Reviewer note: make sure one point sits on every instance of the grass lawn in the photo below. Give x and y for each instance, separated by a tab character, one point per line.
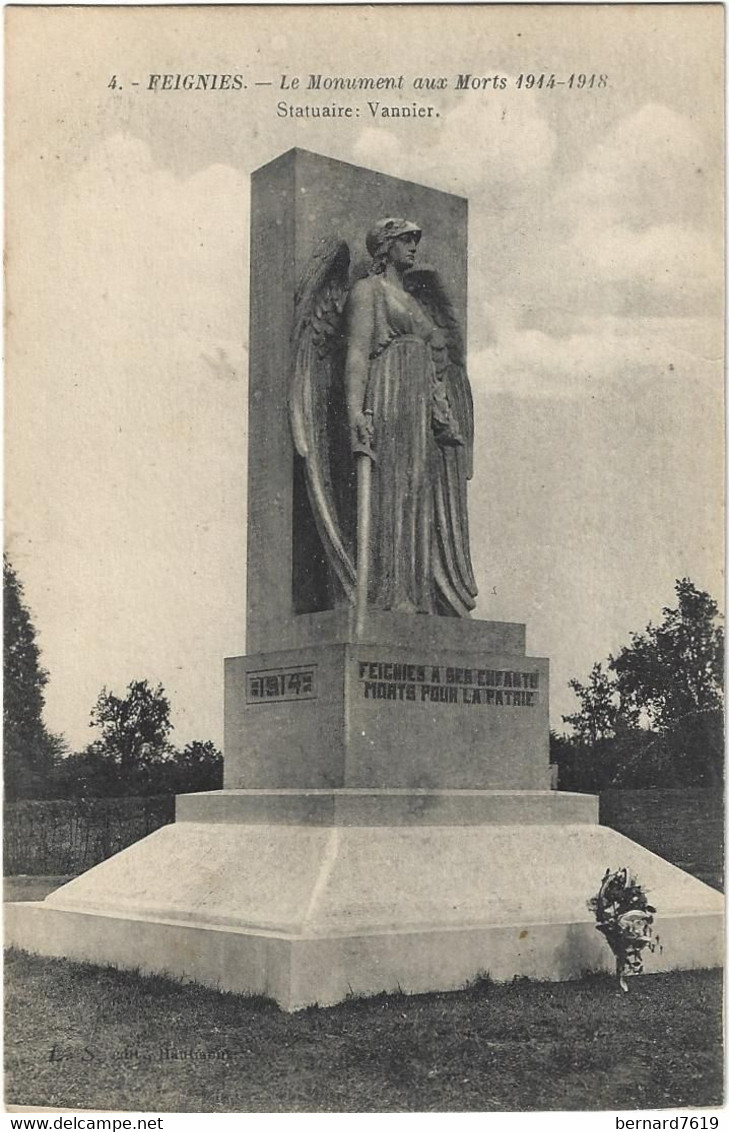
88	1037
21	888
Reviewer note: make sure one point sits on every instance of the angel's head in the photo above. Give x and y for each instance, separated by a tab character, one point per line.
393	240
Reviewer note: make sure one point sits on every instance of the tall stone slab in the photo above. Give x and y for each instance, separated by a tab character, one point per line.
296	201
412	701
386	821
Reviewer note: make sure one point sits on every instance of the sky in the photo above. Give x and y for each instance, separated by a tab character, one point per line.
595	320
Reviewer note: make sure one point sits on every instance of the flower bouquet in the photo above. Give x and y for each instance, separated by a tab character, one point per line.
625	918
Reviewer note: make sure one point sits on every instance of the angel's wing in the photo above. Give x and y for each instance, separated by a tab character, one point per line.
316	403
426	286
453	569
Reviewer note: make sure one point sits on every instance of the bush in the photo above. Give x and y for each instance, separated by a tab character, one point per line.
93	773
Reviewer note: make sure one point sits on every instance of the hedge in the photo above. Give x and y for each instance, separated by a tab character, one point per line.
66	837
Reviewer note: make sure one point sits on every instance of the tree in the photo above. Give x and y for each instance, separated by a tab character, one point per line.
672	675
93	774
675	670
654	716
30	750
198	766
134	756
589	759
89	774
134	731
599	712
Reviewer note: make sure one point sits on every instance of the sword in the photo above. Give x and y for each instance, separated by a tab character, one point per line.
364	458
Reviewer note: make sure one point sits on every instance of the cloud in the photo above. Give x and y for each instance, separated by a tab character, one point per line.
608	357
668	270
173	247
654	168
630	234
476	151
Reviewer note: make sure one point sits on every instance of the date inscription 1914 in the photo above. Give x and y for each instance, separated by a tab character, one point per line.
440	684
276	684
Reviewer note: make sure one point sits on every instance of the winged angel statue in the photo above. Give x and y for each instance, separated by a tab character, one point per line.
382	415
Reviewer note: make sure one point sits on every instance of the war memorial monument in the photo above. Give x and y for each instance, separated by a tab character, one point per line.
387	819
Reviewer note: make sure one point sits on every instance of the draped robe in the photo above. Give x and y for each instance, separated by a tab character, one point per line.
413	546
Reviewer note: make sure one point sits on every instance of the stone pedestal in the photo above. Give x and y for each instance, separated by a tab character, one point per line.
392	710
386	821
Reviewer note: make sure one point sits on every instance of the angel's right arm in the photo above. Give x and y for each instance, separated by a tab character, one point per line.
360	329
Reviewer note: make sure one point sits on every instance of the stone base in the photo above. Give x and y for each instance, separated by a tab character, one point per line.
388	715
307	906
298	971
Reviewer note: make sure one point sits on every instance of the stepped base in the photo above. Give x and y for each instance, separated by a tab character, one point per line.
298	971
311	911
388	807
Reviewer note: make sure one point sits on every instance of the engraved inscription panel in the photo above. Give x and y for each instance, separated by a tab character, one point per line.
443	684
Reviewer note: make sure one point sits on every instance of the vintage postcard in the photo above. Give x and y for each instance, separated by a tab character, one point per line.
364	561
